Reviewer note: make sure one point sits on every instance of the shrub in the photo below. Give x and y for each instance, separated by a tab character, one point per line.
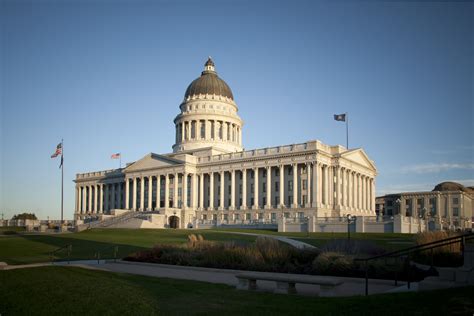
332	263
353	247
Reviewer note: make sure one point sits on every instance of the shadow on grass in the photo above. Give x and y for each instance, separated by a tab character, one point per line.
81	249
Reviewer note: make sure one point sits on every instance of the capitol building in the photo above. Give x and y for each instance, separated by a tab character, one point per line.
209	177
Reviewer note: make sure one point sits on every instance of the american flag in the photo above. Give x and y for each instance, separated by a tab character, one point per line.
115	156
340	117
59	150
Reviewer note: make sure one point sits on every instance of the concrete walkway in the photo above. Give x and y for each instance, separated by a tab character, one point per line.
292	242
351	286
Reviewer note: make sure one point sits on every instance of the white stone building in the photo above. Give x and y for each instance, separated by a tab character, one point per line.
210	177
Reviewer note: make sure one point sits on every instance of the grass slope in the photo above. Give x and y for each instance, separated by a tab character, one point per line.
26	248
75	291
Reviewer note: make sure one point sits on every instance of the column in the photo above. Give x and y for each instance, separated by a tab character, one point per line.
221	193
318	190
269	188
150	193
211	190
142	193
127	193
295	185
232	190
158	192
190	123
184	191
89	198
101	206
224	131
201	191
282	186
372	198
175	191
167	190
197	131
308	185
78	192
134	194
96	208
324	185
194	191
182	131
244	189
207	130
84	197
255	187
106	199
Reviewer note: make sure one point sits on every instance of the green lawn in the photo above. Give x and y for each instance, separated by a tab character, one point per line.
26	248
76	291
389	241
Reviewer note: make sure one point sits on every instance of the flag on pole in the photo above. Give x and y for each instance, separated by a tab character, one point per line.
340	117
61	164
59	151
115	156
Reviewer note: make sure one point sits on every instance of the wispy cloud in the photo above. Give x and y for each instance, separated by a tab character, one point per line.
437	167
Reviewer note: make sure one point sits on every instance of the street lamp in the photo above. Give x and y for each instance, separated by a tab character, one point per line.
350	219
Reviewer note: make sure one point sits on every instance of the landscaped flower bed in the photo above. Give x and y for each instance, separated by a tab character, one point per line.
269	255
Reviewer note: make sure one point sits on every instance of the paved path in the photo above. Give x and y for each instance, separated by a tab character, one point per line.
295	243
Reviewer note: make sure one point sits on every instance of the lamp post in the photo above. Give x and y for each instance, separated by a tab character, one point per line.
350	219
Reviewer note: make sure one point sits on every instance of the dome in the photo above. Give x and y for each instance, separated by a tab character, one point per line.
209	83
451	186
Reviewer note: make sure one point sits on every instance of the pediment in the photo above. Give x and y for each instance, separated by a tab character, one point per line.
152	161
360	157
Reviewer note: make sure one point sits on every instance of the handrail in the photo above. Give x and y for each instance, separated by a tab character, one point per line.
69	250
98	251
408	251
436	244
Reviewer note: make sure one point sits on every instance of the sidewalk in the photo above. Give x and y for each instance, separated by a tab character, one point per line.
351	286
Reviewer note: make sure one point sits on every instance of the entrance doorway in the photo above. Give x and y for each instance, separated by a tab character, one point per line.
174	222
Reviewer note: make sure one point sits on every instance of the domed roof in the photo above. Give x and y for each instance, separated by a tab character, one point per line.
209	83
451	186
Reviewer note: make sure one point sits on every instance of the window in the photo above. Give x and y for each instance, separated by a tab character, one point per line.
264	175
214	217
204	216
290	171
260	215
304	185
251	201
229	190
389	203
203	129
240	189
290	185
304	199
240	175
237	217
455	211
277	172
248	216
251	174
252	187
455	201
273	216
277	186
264	187
276	200
264	200
300	214
226	217
286	215
290	199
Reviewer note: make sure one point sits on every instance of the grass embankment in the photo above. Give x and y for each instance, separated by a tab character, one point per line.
75	291
25	248
389	241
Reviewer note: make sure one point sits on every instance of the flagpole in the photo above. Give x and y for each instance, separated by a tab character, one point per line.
62	180
347	131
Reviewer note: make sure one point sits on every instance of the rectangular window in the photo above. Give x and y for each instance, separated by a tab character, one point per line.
290	199
264	200
290	171
251	174
251	201
260	215
419	202
226	217
455	211
264	187
290	185
286	215
240	175
304	199
248	216
204	216
277	172
277	186
237	217
264	175
304	185
229	190
389	203
214	217
455	201
300	214
276	200
240	189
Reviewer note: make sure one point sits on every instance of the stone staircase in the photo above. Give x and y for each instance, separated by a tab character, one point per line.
109	221
452	277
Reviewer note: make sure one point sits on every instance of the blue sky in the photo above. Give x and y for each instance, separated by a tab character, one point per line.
108	76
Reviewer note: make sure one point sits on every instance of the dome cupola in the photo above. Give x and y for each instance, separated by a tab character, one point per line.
209	116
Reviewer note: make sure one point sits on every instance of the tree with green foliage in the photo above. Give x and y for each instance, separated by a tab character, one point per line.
24	216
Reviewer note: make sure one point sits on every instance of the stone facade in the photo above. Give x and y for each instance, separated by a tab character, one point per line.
209	177
448	207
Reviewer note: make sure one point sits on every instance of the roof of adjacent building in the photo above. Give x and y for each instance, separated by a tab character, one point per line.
452	186
209	83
